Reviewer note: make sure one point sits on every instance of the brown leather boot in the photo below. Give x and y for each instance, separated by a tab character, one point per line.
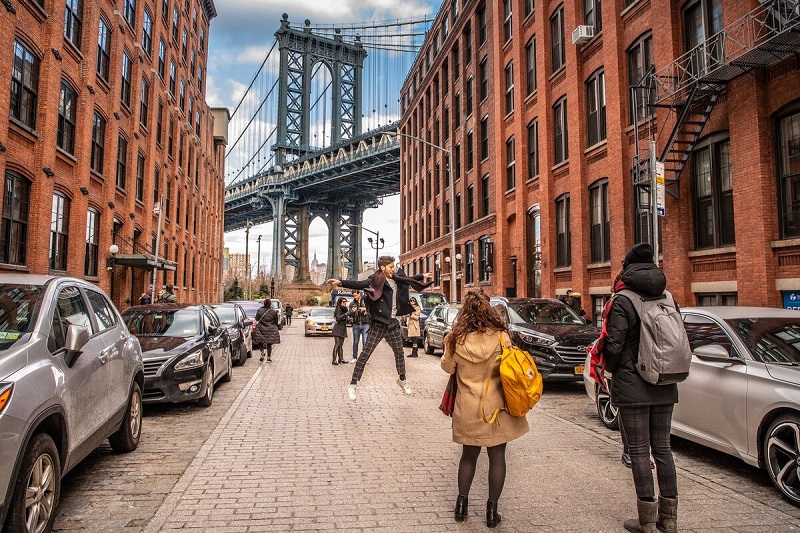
667	515
646	523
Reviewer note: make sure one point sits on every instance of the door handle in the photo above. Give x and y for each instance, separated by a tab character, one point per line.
104	355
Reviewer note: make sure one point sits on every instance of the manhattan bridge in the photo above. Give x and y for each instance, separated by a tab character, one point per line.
314	136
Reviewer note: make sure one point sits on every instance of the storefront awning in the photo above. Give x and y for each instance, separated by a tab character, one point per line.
144	261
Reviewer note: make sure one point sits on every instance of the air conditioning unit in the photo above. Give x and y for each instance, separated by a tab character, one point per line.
582	34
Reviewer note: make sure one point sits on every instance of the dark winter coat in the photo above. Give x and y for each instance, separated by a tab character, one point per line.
621	347
267	329
380	310
340	316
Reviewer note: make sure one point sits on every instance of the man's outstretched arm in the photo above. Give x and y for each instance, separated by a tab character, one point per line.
350	283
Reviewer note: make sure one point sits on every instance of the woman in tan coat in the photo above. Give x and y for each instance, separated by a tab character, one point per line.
412	322
471	350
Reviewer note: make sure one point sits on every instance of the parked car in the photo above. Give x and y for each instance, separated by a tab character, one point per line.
278	306
186	351
426	301
554	335
240	330
742	396
71	376
439	323
319	321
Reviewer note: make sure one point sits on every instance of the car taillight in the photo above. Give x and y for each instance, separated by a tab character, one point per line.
5	394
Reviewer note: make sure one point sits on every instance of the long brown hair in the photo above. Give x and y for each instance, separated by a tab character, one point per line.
476	315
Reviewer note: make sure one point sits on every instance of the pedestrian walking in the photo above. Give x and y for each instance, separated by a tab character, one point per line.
360	319
339	330
412	325
470	351
573	300
289	310
645	409
387	294
146	297
266	333
168	296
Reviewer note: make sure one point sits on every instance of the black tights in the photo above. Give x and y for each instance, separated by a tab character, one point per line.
268	348
497	469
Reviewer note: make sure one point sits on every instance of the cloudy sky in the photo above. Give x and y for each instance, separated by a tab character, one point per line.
240	38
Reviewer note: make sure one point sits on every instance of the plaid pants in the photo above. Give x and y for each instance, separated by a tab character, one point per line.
646	429
378	331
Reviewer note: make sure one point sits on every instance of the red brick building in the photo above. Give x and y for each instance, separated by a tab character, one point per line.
107	116
542	135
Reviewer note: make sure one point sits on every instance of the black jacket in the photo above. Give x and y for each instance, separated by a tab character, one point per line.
340	327
266	331
621	347
358	312
380	310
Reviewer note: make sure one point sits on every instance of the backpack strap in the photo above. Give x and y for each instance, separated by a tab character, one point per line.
488	378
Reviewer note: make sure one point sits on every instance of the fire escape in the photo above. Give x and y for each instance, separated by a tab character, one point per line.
689	87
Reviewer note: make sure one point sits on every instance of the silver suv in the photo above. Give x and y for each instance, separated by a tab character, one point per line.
71	376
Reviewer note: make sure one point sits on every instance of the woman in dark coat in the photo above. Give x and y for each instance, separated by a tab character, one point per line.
339	330
266	333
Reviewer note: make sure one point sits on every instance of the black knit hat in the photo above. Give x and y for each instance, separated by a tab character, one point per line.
640	253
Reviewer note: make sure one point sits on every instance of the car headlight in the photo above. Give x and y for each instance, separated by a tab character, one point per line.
536	340
310	323
5	394
193	360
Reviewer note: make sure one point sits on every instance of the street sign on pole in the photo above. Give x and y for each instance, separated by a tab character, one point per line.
660	188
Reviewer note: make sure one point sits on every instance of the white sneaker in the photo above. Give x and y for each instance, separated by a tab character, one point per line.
351	393
404	386
352	361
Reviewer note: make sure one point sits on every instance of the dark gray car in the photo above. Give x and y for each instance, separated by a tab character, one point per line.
240	330
71	376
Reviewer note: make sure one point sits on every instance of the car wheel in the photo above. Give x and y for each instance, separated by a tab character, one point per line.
208	377
37	489
609	415
242	355
428	348
229	374
781	455
126	439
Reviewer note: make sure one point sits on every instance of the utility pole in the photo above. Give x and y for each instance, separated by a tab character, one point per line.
258	261
248	225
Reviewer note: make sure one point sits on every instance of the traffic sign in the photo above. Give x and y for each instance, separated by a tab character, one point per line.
660	188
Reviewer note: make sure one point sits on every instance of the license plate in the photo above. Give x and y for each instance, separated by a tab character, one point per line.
579	369
325	328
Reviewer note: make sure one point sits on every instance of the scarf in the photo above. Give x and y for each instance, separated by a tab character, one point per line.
597	364
375	288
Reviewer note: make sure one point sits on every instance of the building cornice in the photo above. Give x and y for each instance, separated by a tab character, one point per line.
209	8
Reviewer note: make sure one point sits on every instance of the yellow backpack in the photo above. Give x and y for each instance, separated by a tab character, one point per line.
522	383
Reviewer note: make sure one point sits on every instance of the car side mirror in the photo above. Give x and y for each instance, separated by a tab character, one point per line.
247	323
77	337
712	352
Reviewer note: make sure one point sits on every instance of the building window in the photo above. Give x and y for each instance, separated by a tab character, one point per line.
184	45
484	76
127	71
530	66
507	16
130	12
470	204
14	228
482	25
24	85
533	149
147	33
172	78
457	162
455	62
167	197
702	20
484	258
713	196
140	177
485	138
176	21
563	237
469	91
469	262
593	14
73	15
596	107
557	51
202	39
162	58
92	242
640	62
470	151
560	133
157	186
160	122
598	304
511	180
528	7
720	298
457	210
789	175
122	161
178	206
457	111
67	104
145	103
98	143
59	232
509	88
182	96
103	49
171	138
600	224
485	196
165	11
467	45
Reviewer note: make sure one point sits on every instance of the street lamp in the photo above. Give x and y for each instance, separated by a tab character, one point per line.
248	225
453	292
379	244
258	261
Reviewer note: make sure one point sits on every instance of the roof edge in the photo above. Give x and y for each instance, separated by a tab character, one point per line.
209	8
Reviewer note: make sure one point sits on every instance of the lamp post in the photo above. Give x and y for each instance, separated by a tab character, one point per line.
113	250
449	153
248	225
258	260
378	242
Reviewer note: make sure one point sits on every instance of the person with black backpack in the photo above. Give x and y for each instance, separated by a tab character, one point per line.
645	408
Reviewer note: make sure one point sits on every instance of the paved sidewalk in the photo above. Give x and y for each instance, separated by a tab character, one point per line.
292	453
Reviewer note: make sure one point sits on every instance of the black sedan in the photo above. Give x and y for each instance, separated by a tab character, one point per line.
185	350
439	323
554	335
240	330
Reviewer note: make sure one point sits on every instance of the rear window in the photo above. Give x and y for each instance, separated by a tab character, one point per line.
227	315
163	323
19	305
429	301
547	312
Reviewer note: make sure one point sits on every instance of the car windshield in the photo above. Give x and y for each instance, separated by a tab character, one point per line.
276	304
250	309
227	315
19	305
770	340
547	312
163	323
451	315
429	301
322	312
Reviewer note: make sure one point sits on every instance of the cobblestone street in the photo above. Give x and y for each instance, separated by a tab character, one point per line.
283	449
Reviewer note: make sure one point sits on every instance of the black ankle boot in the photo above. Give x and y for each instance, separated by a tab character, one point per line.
461	508
492	518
